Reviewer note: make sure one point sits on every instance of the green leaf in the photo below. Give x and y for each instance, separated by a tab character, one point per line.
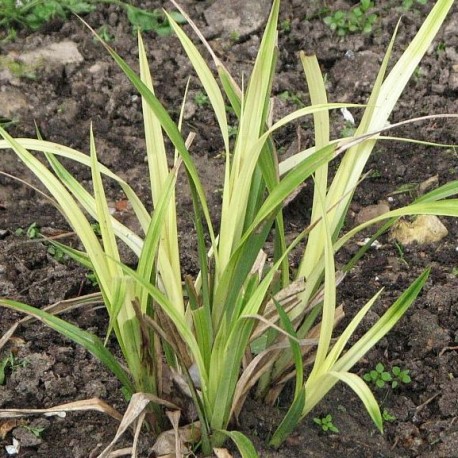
142	20
173	133
290	420
295	348
244	445
207	80
364	393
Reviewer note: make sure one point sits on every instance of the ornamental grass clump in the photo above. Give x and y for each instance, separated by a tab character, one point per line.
244	324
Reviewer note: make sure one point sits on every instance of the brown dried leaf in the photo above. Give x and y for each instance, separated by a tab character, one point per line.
8	425
166	443
134	412
87	404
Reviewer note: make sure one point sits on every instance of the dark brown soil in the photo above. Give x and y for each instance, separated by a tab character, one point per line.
63	100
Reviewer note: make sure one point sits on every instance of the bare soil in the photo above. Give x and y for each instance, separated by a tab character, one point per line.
64	100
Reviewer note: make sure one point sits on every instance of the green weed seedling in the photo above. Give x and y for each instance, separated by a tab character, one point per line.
400	376
5	123
33	14
234	36
201	99
150	21
287	96
355	20
348	130
104	34
378	376
387	416
326	424
441	48
17	68
381	377
91	277
401	254
285	26
32	232
9	362
37	431
408	4
57	253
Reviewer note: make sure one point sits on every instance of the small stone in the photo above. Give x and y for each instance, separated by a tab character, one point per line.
424	230
438	88
238	16
69	110
453	81
26	437
12	103
63	53
372	211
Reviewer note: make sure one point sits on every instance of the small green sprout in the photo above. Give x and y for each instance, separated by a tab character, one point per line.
408	4
376	173
10	362
34	14
234	36
387	416
17	68
285	26
57	253
232	131
400	250
355	20
201	99
348	130
104	33
35	430
32	232
380	377
92	278
326	423
337	22
417	73
441	48
96	228
151	21
400	376
287	96
5	123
